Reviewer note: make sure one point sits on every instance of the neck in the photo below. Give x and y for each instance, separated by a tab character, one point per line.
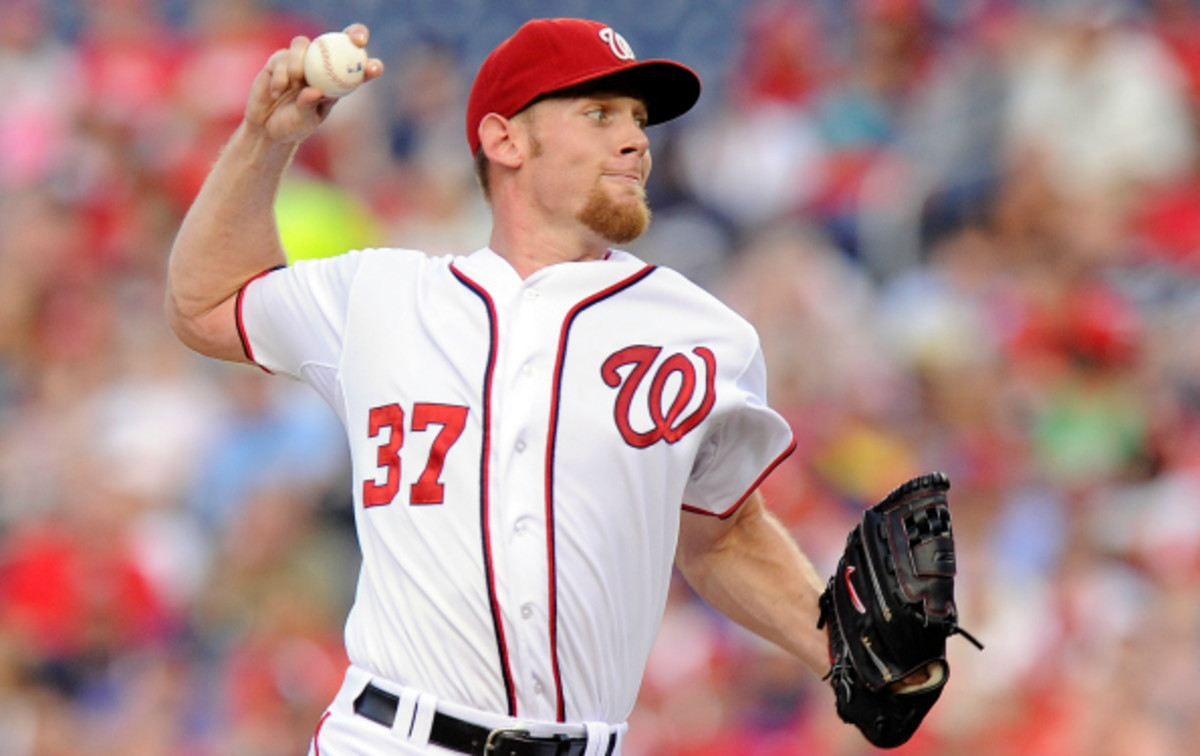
530	246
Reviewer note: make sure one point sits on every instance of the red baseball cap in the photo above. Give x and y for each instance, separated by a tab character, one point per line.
550	54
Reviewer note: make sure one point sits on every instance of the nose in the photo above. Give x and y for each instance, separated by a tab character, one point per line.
634	139
636	143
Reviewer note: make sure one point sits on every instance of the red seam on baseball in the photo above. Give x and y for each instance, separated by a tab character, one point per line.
325	59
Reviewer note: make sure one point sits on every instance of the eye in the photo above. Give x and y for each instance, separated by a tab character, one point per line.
597	114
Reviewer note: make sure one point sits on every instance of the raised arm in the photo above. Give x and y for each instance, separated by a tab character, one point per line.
230	234
750	569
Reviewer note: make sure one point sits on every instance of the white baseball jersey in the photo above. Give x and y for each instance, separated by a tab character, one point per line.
522	451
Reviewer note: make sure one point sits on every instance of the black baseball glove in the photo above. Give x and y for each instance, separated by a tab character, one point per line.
889	609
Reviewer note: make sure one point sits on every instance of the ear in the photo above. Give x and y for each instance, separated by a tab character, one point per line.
499	138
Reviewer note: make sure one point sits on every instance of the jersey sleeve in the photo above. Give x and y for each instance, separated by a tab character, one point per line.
292	319
748	440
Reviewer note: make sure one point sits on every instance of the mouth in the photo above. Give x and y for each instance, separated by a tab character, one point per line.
628	178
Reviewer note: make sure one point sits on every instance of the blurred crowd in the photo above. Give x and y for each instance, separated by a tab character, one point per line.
968	232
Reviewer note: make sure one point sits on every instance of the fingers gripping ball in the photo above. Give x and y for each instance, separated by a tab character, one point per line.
889	609
334	64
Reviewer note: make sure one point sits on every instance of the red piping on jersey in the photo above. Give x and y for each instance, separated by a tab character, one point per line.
754	486
484	500
552	435
317	734
241	326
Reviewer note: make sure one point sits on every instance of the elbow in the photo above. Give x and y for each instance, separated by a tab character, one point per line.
212	332
175	320
186	328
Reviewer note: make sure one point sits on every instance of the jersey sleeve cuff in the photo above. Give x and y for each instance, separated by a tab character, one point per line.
753	487
247	349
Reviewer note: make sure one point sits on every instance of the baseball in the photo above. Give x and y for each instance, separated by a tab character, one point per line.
334	64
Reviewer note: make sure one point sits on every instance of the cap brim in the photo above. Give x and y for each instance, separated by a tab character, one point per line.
670	89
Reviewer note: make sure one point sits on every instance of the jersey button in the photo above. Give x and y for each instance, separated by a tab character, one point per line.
527	611
532	294
520	446
527	369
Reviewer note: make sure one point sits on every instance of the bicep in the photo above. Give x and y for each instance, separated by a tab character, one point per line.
703	535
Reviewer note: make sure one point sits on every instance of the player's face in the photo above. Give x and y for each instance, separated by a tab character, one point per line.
591	159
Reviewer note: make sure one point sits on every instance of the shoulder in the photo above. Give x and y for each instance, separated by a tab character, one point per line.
380	257
667	305
672	281
681	292
368	264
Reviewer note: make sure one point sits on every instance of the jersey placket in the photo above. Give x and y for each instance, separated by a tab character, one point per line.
519	514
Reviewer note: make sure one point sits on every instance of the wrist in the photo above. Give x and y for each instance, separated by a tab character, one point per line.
255	141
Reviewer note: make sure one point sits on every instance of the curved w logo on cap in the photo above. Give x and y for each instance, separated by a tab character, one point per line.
617	44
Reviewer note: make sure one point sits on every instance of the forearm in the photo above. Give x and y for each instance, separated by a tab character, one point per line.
229	234
755	574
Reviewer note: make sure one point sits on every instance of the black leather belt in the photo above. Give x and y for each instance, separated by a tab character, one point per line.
455	734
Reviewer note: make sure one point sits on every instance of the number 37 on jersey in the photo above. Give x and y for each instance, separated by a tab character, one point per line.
388	423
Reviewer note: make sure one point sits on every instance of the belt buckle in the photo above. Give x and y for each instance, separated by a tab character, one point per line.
491	744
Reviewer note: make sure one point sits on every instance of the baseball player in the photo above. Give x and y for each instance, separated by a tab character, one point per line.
539	430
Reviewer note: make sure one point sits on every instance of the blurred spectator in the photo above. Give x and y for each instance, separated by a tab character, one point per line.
266	437
758	158
1097	105
43	94
272	611
227	45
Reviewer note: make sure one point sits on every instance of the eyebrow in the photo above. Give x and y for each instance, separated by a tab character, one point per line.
641	108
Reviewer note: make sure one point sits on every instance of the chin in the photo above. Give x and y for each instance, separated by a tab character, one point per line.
617	222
